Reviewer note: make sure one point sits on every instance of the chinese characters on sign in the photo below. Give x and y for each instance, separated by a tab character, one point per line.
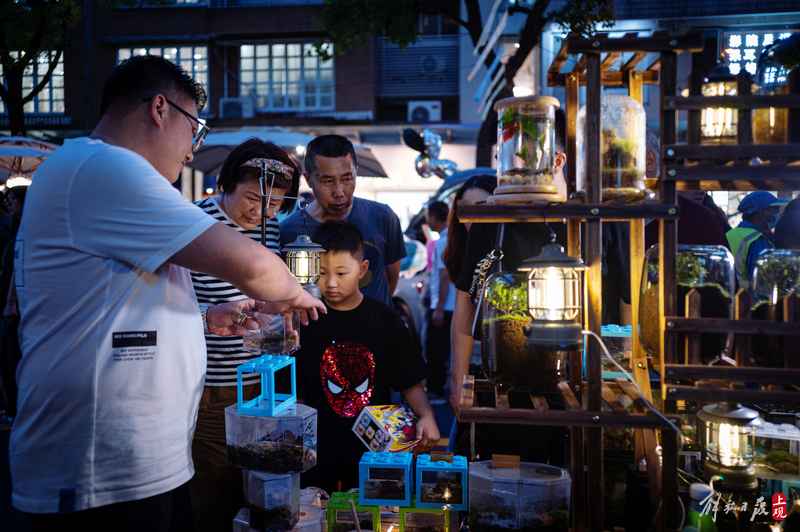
711	505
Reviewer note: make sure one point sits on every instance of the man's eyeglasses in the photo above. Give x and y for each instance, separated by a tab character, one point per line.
202	129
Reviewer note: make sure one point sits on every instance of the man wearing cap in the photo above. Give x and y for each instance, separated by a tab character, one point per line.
759	214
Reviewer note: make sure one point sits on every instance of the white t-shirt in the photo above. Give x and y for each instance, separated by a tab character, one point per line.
113	354
437	267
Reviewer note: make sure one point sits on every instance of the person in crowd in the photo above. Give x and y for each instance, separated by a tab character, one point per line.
111	333
9	338
787	231
701	222
330	169
351	358
753	235
442	304
216	486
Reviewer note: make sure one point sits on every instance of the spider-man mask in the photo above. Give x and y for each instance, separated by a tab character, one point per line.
347	374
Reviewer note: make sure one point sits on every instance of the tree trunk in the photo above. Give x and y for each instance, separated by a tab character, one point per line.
14	106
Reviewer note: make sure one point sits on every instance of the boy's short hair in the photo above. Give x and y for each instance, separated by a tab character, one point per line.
341	237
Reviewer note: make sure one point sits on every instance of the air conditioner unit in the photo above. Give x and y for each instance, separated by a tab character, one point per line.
425	111
242	107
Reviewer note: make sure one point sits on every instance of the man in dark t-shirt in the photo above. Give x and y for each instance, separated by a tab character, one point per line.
351	358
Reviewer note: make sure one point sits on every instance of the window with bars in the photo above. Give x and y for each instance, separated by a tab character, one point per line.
286	77
193	59
743	48
50	100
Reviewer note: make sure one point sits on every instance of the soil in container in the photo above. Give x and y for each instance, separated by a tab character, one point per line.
272	520
285	456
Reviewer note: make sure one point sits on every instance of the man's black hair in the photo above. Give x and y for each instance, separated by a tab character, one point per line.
340	236
439	209
328	146
233	173
143	76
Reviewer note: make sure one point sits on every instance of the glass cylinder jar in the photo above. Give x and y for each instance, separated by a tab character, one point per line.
770	124
709	269
508	358
776	275
623	148
526	149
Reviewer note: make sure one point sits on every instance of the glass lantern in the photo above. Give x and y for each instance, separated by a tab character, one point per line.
623	148
554	298
727	438
718	124
709	269
303	259
526	150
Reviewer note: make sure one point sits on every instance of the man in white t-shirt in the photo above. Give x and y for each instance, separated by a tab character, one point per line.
111	333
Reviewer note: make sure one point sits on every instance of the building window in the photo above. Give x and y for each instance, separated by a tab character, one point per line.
50	100
286	77
743	48
193	59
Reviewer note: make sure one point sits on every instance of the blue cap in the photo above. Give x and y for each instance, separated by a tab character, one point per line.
759	201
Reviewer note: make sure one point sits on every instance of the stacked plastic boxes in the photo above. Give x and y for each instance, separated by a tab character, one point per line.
312	516
385	479
343	509
273	439
442	481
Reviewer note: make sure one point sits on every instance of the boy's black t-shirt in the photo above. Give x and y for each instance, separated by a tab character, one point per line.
347	360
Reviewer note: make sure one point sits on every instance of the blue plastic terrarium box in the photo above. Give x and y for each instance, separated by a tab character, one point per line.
442	480
268	402
618	341
385	479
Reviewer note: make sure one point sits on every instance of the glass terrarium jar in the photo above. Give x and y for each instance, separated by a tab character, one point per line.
526	150
770	124
776	275
507	356
709	269
623	148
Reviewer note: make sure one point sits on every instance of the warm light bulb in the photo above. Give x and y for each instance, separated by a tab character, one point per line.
301	260
729	441
447	494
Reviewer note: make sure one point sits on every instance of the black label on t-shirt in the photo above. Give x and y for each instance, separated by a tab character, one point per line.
133	339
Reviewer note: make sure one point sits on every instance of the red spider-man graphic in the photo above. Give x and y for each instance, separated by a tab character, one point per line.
347	375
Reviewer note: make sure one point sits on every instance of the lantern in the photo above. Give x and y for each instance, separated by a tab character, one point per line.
727	437
303	259
554	298
718	124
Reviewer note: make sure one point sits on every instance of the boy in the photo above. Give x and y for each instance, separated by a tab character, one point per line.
351	357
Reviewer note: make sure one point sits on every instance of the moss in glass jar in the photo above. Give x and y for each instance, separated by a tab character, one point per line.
506	354
622	178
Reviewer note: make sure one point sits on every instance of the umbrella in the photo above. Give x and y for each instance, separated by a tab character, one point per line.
22	155
219	144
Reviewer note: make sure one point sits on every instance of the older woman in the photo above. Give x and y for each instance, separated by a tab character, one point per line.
216	487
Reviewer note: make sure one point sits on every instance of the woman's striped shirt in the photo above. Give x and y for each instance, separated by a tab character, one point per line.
225	353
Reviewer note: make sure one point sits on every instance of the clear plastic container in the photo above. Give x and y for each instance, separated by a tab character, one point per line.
506	354
273	337
709	269
286	443
530	497
277	495
526	145
623	148
777	450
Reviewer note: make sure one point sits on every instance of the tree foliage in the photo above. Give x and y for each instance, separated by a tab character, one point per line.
351	23
29	31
